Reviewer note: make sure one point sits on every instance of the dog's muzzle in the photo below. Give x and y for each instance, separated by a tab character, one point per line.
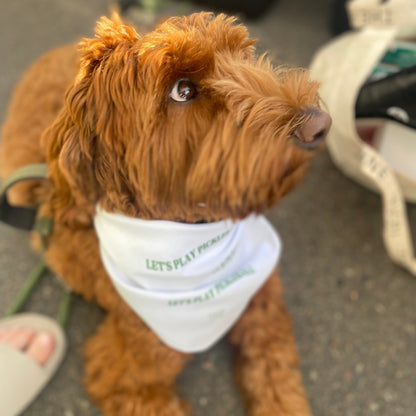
313	132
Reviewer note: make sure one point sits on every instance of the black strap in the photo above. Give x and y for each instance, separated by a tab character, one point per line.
25	218
20	217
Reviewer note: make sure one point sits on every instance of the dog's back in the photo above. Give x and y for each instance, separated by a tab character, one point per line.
35	103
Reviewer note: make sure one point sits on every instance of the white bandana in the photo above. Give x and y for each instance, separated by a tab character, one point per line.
188	282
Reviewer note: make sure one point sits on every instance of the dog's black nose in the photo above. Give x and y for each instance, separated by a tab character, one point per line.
311	133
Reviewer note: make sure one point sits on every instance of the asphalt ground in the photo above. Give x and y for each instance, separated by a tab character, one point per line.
354	312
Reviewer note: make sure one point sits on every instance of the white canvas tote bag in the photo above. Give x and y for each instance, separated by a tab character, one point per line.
342	67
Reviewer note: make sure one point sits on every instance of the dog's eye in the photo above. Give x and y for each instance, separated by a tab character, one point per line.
183	90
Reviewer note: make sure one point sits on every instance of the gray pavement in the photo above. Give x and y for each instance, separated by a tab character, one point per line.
354	312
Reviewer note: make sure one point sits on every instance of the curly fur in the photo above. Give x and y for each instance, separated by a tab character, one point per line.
117	139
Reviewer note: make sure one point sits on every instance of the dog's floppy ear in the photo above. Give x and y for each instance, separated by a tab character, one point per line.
84	136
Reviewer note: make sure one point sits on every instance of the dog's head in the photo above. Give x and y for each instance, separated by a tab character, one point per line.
183	124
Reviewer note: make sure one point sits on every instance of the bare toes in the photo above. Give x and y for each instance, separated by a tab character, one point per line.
18	338
41	347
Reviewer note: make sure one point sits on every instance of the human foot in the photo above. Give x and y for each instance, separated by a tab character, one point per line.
32	347
39	346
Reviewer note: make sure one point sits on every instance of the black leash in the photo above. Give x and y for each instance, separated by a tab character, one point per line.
26	218
20	217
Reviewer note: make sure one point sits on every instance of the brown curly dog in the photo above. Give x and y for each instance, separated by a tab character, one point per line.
184	125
